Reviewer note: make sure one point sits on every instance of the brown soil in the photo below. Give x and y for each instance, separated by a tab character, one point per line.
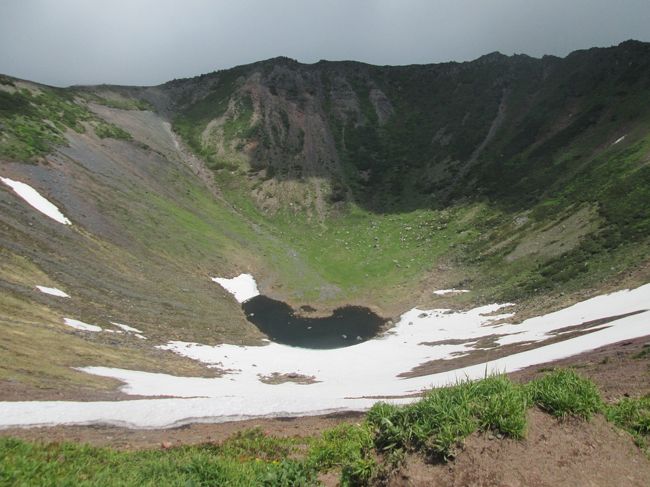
18	391
554	453
620	369
276	378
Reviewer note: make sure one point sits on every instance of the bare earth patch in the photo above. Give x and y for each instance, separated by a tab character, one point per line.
554	453
277	378
18	391
621	369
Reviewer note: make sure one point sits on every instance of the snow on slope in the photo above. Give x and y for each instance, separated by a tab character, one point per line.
53	291
243	287
34	198
130	329
349	376
80	325
126	327
443	292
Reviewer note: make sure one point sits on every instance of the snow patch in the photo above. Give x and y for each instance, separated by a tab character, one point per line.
80	325
442	292
126	327
243	287
34	198
350	378
130	329
53	291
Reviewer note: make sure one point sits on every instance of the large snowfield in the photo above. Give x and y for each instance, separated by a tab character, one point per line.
351	378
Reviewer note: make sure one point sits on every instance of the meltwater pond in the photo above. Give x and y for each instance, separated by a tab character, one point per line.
344	327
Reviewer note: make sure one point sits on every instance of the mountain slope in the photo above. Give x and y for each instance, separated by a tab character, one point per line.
399	138
146	236
333	183
549	156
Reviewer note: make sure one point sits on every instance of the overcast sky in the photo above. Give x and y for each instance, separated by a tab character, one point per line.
65	42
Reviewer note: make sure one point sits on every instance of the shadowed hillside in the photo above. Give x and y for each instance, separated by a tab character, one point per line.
514	129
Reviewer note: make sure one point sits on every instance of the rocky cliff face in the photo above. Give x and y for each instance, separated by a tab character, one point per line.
398	138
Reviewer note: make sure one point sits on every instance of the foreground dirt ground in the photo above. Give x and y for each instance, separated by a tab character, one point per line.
555	453
570	453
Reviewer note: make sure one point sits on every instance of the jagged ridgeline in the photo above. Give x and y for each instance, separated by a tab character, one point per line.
516	130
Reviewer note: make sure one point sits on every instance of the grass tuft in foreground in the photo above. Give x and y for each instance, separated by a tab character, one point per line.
437	424
363	453
564	393
633	415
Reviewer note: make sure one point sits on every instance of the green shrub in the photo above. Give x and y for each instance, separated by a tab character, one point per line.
124	103
439	422
32	123
287	473
564	393
501	406
633	415
348	447
105	130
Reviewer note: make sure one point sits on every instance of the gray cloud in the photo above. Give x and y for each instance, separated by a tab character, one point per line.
64	42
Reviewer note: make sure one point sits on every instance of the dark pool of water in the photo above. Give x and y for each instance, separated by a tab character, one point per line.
345	327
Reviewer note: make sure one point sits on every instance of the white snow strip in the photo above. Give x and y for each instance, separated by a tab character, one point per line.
243	287
126	327
620	139
442	292
53	291
349	376
34	198
80	325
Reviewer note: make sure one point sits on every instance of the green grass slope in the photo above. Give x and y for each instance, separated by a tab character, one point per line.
146	236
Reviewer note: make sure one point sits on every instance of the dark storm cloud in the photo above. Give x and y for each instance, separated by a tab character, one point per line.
150	41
